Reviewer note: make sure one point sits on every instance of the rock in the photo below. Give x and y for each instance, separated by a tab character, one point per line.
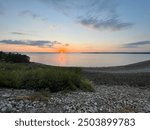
6	95
148	99
4	109
105	99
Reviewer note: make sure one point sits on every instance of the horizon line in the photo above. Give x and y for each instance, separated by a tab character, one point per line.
107	52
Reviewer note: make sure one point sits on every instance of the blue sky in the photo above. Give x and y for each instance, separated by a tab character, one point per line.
74	25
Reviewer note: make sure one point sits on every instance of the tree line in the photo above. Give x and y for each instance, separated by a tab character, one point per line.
13	57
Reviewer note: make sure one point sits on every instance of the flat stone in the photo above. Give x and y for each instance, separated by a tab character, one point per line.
4	109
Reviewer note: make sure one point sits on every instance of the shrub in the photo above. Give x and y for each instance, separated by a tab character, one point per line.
34	76
14	57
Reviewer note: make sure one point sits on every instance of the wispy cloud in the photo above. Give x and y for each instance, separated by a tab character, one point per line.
19	33
33	15
39	43
66	44
136	44
113	24
96	14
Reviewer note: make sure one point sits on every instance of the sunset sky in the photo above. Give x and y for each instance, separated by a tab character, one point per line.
74	25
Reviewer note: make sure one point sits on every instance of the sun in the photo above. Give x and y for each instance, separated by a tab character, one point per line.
62	50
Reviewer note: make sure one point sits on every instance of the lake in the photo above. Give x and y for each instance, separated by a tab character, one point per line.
86	60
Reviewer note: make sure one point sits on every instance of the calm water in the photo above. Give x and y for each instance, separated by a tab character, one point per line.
87	60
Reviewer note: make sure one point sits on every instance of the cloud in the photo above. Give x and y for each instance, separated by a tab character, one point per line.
66	44
113	24
39	43
19	33
33	15
84	5
136	44
96	14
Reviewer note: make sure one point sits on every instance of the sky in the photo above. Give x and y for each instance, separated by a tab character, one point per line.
74	25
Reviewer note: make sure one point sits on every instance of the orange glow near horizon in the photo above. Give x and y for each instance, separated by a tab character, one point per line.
59	49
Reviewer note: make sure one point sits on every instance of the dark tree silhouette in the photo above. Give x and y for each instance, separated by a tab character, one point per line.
14	57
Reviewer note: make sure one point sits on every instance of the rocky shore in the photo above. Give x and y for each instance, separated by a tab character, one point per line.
106	98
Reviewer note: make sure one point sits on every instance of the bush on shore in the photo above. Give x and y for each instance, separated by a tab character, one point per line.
37	77
13	57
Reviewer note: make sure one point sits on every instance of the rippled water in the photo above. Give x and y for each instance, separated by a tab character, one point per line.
87	60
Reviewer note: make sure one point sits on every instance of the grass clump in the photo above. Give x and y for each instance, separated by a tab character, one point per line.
37	77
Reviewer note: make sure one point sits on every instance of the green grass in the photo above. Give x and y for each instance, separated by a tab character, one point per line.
37	77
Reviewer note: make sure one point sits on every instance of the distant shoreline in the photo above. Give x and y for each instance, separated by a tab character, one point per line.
86	52
115	52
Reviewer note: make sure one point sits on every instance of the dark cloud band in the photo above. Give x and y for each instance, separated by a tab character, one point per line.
19	33
136	44
40	43
110	24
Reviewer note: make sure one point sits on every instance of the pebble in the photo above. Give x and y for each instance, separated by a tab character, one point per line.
104	99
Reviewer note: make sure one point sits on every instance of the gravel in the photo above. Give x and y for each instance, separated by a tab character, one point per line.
105	99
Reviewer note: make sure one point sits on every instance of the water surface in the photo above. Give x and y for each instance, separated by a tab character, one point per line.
87	60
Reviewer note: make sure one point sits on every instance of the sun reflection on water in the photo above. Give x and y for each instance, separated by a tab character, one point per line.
61	58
